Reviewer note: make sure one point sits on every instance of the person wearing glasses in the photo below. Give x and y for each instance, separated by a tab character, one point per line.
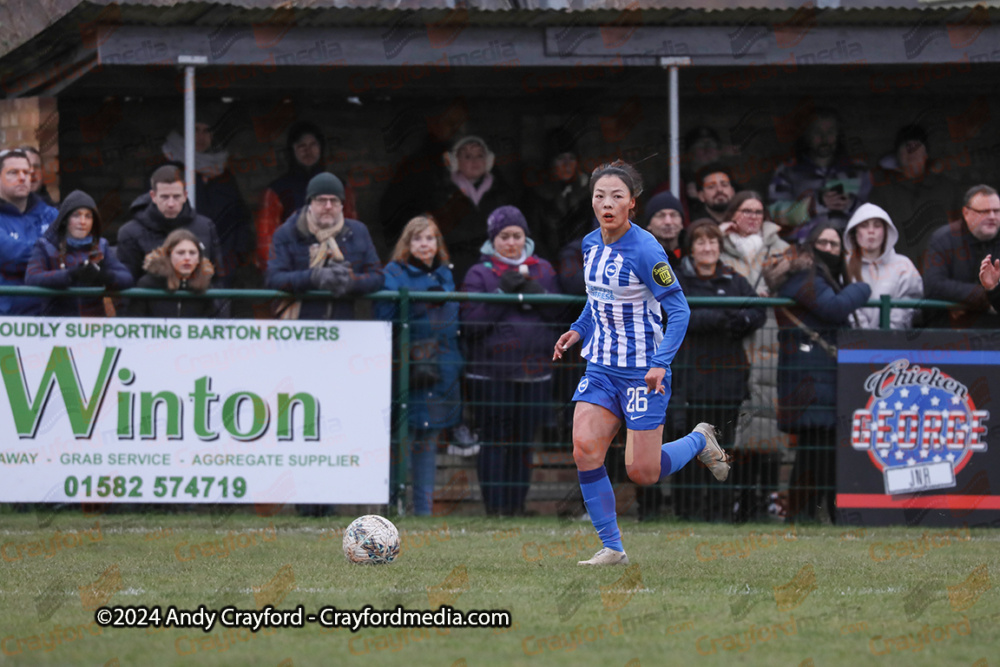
24	217
814	276
750	242
317	248
305	149
952	262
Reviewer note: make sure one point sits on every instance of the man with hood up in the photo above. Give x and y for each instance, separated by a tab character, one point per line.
306	147
155	215
872	258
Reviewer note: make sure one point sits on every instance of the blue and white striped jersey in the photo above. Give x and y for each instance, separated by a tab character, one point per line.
627	283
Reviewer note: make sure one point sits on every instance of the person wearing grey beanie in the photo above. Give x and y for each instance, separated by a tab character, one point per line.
325	183
318	248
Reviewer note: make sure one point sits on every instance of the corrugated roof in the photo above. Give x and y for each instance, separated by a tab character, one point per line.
58	27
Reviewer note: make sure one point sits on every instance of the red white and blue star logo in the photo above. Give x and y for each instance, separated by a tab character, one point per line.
920	419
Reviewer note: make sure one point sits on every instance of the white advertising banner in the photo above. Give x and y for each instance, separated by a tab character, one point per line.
194	411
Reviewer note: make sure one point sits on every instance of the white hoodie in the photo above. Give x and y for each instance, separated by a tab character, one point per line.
891	273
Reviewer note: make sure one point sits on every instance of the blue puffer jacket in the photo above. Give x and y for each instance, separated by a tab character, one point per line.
807	374
433	331
18	233
509	342
288	267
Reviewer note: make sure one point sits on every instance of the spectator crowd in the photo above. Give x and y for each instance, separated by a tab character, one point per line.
830	234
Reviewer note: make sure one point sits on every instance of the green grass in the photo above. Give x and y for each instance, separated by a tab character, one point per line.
665	610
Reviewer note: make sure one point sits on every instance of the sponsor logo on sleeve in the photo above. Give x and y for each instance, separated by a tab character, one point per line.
662	274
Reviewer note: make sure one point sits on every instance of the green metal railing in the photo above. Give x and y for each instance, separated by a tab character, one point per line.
885	303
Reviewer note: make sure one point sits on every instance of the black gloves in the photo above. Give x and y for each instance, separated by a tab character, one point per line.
532	287
336	278
87	274
512	282
106	276
715	318
739	324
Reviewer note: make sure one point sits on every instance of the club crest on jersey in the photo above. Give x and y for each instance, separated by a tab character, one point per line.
583	385
611	270
662	275
920	427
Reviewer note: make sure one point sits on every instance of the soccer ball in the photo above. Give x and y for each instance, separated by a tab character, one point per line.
371	540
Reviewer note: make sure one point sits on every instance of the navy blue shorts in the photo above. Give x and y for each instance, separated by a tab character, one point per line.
626	398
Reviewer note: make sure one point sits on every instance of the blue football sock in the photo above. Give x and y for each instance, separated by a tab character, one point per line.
675	455
600	500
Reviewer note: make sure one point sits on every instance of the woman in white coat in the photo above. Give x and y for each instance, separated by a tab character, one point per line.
870	242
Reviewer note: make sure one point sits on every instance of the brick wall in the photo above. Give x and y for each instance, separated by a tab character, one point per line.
112	144
34	121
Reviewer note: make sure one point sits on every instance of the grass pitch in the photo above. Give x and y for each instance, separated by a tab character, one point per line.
695	594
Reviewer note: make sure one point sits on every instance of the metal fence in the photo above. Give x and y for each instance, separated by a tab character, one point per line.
492	430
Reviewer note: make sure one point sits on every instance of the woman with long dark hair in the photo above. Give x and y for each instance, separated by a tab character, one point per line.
629	286
814	275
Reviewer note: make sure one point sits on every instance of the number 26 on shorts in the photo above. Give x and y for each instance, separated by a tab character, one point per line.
637	401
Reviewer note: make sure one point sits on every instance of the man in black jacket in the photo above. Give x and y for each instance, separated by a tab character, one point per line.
165	210
953	258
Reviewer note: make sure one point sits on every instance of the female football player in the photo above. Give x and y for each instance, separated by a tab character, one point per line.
627	378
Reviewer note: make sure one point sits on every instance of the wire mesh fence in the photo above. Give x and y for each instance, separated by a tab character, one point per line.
482	417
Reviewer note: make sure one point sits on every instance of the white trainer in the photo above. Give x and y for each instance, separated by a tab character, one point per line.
713	455
606	556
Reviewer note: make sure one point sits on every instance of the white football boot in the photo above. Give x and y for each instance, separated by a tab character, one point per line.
713	455
606	556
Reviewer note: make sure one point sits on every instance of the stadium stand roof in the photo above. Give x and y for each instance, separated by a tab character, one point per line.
48	44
